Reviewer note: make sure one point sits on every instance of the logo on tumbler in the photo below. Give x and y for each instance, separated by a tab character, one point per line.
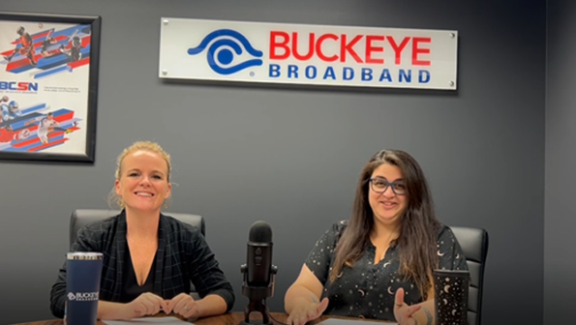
83	296
222	51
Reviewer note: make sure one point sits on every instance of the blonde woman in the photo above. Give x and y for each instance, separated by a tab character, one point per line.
150	258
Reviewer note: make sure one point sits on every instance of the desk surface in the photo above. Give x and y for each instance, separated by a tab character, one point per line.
226	319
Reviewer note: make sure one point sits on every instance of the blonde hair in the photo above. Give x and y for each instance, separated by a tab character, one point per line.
149	146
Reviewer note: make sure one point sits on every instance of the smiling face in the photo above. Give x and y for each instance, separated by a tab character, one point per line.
143	182
387	206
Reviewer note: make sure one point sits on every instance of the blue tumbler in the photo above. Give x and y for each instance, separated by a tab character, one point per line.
83	272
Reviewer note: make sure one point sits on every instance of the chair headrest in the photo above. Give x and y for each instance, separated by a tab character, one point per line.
474	242
83	217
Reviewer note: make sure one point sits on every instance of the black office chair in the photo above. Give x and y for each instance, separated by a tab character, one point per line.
83	217
474	243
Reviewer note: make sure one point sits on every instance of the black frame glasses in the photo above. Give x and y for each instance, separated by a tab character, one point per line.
388	184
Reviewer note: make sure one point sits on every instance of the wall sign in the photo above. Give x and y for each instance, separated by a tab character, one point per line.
236	51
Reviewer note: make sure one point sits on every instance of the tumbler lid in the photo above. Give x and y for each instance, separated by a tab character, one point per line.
91	256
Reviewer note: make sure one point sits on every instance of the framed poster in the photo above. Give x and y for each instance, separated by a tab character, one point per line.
48	86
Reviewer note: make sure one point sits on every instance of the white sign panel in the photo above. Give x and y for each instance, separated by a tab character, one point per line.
307	54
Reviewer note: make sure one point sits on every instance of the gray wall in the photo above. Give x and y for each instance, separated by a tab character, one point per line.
560	212
292	156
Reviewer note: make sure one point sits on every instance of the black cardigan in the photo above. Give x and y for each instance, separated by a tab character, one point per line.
182	256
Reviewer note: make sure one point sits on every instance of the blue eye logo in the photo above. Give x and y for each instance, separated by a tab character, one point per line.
221	52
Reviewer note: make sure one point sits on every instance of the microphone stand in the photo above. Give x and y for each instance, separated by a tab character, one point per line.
257	296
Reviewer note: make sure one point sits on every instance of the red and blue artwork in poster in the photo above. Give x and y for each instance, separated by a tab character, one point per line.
47	85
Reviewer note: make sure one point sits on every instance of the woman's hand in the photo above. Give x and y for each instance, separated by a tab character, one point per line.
305	311
146	304
402	312
184	305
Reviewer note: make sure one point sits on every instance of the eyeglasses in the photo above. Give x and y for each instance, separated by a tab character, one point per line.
380	185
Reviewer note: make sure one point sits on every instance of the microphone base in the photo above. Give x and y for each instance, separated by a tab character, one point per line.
257	306
255	322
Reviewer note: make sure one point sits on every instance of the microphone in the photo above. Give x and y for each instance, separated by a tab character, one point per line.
259	273
259	255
